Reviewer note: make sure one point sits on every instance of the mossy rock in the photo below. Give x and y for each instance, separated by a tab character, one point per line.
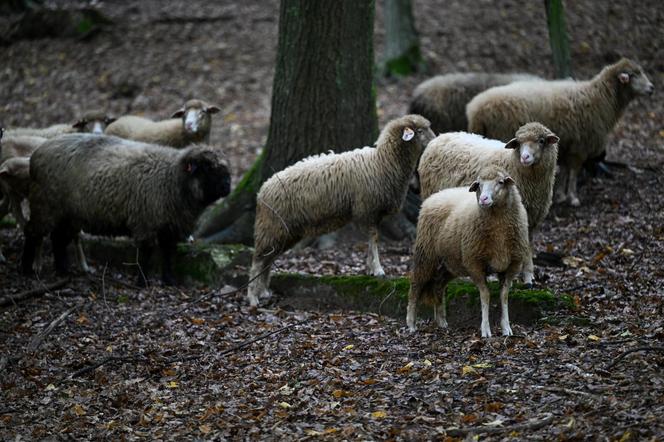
390	297
194	264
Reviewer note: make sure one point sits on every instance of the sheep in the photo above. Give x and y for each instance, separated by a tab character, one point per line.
94	121
324	192
454	159
459	234
191	124
47	132
110	186
443	98
581	113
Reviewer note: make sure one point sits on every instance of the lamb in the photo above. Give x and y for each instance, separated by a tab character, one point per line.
443	98
94	121
191	124
459	234
324	192
581	113
109	186
454	159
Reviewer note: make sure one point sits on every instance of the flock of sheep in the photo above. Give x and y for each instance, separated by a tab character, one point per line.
484	191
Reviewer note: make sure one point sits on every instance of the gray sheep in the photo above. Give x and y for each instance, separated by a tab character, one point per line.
443	98
324	192
581	113
110	186
191	124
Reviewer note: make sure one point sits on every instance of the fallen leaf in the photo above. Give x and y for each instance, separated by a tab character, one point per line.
79	410
168	372
594	337
349	347
380	414
172	384
341	393
197	321
285	405
494	423
467	369
406	368
205	429
82	319
427	363
483	365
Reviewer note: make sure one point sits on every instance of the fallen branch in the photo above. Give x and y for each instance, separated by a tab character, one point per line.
532	425
212	19
13	299
93	367
630	351
37	341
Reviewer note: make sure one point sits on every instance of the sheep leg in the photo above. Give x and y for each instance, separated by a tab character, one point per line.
373	260
528	265
561	184
573	174
167	246
259	277
423	273
485	299
440	307
505	282
80	255
32	243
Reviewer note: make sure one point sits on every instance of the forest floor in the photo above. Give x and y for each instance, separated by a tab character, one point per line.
100	359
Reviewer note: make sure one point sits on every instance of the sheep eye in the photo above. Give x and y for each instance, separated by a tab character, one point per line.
541	141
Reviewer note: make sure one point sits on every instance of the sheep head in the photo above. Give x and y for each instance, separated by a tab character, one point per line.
530	142
196	116
492	188
205	173
94	122
631	77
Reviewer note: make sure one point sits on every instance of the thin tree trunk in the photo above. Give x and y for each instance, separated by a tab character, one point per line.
555	18
402	45
322	99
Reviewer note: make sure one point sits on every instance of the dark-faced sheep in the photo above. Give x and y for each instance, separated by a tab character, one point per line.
324	192
581	113
109	186
469	234
191	124
443	98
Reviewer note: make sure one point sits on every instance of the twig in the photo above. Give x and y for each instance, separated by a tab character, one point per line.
532	425
37	341
12	299
105	361
567	391
632	350
211	19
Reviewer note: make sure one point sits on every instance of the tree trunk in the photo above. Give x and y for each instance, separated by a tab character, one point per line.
402	45
322	99
555	18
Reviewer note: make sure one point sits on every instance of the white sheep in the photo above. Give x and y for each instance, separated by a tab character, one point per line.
47	132
455	159
324	192
191	124
443	98
581	113
465	234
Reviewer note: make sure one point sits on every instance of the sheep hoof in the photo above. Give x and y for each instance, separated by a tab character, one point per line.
442	323
574	202
2	258
507	330
412	328
379	273
486	331
528	285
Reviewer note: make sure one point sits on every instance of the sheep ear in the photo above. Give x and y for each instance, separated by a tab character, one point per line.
623	77
178	114
408	134
552	139
512	144
190	167
212	109
109	120
2	132
474	186
80	124
508	180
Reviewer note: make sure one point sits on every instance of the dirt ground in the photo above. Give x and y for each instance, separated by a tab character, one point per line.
158	363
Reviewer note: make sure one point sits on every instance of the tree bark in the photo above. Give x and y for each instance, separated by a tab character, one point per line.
322	99
555	18
402	45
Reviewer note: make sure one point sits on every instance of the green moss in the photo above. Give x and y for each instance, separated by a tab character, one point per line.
406	64
8	222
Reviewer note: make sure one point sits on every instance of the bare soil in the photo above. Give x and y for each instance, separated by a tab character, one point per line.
167	373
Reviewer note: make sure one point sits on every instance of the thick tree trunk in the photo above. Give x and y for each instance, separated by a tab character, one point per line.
322	99
402	45
555	18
